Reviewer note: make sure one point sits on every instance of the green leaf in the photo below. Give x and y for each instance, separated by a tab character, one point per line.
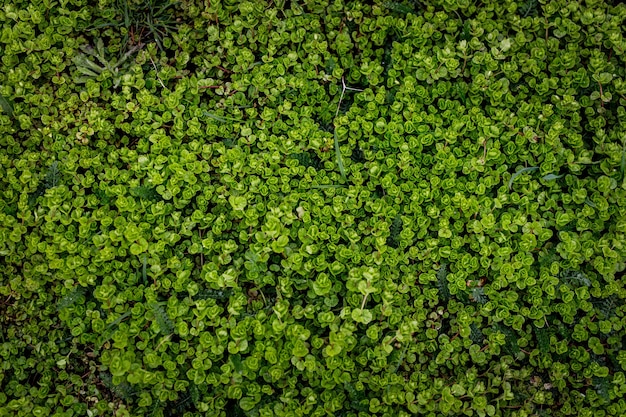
333	349
248	403
71	298
362	315
145	193
398	7
322	285
6	106
590	203
139	247
543	340
160	315
520	172
603	387
238	202
442	283
299	349
457	390
551	177
119	366
222	119
342	169
329	186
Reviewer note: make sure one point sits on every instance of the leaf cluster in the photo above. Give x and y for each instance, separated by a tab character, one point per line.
312	208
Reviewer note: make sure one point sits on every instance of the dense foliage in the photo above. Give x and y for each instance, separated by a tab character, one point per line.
282	208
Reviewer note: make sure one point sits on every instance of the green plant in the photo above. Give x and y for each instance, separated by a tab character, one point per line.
93	62
141	20
6	106
224	227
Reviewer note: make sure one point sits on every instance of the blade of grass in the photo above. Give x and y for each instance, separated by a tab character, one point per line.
85	64
328	186
103	25
129	53
551	177
342	169
590	203
222	119
126	13
143	269
100	52
88	72
520	172
6	106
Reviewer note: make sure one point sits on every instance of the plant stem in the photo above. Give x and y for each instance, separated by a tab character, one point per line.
364	300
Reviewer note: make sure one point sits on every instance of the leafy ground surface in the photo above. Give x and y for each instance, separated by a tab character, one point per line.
252	208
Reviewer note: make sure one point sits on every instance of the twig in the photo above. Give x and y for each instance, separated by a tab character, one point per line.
223	69
601	95
343	90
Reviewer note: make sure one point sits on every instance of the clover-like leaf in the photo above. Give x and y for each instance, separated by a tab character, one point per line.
238	202
361	315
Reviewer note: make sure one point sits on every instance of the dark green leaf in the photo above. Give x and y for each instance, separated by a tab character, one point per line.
6	106
520	172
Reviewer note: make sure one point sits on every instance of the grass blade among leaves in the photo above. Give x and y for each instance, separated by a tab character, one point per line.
520	172
6	106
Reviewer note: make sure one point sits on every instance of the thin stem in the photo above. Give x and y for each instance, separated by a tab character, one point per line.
343	90
364	301
156	72
601	95
165	339
201	254
264	299
485	151
223	69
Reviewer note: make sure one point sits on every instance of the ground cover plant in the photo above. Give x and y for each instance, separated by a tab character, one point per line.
317	208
